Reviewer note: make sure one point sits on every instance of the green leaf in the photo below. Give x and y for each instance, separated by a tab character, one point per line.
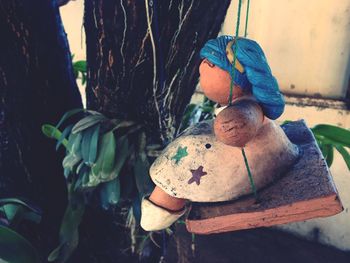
207	109
80	65
345	154
286	122
187	115
64	134
85	143
83	178
67	115
324	150
16	212
110	193
122	124
69	235
142	178
83	78
122	153
81	166
55	253
94	145
10	210
74	143
106	157
19	202
53	133
334	133
72	216
87	122
70	161
32	216
330	154
14	248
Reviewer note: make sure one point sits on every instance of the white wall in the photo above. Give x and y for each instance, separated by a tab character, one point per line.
72	17
307	43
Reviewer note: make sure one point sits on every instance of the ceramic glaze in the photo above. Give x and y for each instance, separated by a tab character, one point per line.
270	154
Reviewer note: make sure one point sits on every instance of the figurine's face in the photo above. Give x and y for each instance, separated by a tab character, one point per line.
215	83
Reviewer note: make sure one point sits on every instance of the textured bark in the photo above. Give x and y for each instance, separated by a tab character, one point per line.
121	79
122	82
36	86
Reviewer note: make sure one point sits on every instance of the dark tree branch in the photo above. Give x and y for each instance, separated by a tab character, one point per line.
36	86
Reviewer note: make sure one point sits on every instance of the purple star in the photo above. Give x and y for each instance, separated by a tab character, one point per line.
196	175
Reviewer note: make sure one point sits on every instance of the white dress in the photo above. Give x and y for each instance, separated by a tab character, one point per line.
198	167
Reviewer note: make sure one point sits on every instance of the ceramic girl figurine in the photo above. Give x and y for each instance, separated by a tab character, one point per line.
205	163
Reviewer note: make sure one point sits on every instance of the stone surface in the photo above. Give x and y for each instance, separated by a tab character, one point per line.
212	171
305	192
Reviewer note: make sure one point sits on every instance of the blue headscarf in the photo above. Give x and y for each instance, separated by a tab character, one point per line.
256	76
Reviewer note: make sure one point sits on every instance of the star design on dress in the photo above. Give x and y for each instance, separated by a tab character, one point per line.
196	175
181	153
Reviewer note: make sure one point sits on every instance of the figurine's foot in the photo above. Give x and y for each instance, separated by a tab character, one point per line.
160	210
154	217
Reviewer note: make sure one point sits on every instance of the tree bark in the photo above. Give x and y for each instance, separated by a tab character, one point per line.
126	82
123	80
37	86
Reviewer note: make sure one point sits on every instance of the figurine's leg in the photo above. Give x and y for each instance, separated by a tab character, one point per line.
161	198
160	210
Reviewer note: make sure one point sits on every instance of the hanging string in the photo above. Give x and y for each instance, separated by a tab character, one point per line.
234	52
162	77
251	180
246	19
149	24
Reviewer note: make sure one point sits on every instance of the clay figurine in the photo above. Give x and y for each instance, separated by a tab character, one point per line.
205	163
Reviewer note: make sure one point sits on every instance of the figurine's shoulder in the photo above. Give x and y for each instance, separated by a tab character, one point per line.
201	128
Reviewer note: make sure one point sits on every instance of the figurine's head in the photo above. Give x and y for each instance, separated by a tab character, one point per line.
252	74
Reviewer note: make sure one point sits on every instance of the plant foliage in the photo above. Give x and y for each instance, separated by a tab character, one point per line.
195	113
331	137
15	248
97	151
79	70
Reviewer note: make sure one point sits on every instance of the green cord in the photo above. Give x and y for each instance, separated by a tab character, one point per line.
251	180
235	51
252	184
246	20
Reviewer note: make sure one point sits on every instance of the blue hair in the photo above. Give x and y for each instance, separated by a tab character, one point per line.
257	75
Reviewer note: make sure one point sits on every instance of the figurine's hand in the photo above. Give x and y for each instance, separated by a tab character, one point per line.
237	124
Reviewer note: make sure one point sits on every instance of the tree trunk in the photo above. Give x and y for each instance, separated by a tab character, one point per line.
36	86
124	79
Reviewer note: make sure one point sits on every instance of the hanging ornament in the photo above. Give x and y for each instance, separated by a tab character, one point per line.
238	167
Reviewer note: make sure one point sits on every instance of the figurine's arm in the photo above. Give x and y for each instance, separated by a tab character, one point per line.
237	124
160	210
